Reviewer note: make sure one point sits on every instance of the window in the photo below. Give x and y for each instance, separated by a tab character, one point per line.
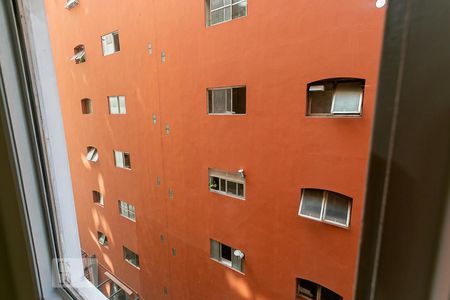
79	54
98	198
335	97
219	11
227	183
70	4
227	255
227	100
127	210
122	159
86	106
110	43
102	239
326	206
130	257
92	154
117	105
312	291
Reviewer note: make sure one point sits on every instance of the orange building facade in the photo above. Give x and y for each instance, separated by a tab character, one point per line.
179	145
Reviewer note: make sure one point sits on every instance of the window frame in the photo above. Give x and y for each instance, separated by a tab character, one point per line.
318	290
105	239
225	193
128	210
112	33
93	152
125	249
117	97
322	219
123	159
209	11
335	82
99	196
225	262
226	113
86	106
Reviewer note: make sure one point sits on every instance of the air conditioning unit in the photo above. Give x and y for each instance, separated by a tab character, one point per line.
70	4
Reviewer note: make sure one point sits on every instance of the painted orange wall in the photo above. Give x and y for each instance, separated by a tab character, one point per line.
275	51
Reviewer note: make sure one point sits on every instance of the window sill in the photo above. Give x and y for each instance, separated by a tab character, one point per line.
125	217
226	194
232	19
326	222
334	116
225	114
134	266
225	265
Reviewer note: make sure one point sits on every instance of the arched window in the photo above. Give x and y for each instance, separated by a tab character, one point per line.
335	97
325	206
79	54
312	291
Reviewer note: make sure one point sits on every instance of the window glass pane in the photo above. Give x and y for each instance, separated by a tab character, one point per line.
113	105
214	183
347	98
307	288
228	97
116	45
122	105
210	103
225	252
311	204
219	3
327	294
219	101
240	9
223	185
118	156
231	187
240	190
337	208
320	101
217	16
127	160
239	105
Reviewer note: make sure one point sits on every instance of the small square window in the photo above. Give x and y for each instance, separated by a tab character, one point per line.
79	54
227	255
86	106
110	43
117	105
122	159
130	257
92	154
102	238
219	11
97	197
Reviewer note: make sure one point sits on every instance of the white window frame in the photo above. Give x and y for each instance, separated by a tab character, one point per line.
216	173
323	210
225	262
116	154
127	210
318	290
222	7
124	249
121	110
226	113
319	86
79	55
105	48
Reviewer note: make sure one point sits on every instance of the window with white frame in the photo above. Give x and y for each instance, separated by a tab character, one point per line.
110	43
102	238
227	101
226	255
92	154
70	3
227	183
127	210
335	97
325	206
79	54
219	11
117	105
122	159
312	291
130	257
98	198
86	106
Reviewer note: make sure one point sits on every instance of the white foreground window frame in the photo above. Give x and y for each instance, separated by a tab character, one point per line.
127	210
38	145
122	159
227	256
230	184
131	257
221	11
227	100
92	154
